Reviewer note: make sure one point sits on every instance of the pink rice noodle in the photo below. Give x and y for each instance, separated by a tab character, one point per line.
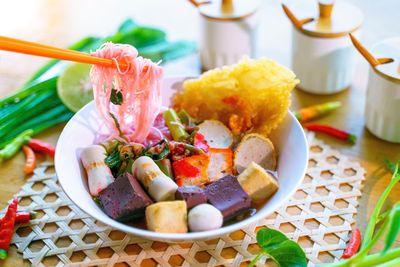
140	85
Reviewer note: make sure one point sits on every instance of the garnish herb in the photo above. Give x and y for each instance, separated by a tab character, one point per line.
158	151
15	145
389	222
283	251
116	97
114	161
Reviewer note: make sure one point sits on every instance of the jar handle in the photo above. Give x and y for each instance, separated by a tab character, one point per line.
199	3
325	9
298	23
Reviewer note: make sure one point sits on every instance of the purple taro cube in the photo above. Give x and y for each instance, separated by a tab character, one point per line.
228	196
124	200
193	195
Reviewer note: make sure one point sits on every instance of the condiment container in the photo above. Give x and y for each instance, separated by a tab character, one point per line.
322	54
228	31
382	107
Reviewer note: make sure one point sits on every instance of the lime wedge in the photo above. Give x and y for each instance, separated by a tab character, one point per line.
74	87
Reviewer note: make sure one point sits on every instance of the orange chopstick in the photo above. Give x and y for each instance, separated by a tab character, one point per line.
35	49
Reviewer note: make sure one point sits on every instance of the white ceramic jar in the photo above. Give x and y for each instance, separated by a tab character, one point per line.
228	31
382	108
322	55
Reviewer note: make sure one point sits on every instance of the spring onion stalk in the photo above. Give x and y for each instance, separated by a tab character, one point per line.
175	126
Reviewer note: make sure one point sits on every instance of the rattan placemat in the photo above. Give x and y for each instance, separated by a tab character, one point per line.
319	216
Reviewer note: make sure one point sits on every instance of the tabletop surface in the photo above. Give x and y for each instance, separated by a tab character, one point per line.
63	22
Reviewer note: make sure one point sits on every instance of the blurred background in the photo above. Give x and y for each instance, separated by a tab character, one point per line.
63	22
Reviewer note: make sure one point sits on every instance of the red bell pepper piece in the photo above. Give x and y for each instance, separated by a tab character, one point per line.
7	228
42	147
200	142
353	245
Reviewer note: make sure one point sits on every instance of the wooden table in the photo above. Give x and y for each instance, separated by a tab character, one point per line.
62	22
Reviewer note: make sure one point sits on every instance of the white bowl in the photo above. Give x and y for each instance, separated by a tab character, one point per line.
289	139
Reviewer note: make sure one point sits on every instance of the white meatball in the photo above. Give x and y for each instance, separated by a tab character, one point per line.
204	217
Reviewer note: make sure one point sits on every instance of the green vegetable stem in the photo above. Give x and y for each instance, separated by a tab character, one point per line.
175	126
15	145
389	222
165	166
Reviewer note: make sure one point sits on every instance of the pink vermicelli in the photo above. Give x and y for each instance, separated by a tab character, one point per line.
140	86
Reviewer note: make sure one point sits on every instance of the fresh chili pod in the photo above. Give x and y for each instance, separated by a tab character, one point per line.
15	145
7	228
30	161
42	147
353	245
334	132
23	217
316	111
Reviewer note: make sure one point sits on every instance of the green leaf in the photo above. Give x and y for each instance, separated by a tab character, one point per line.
282	250
114	161
267	238
116	97
127	26
288	254
394	227
158	151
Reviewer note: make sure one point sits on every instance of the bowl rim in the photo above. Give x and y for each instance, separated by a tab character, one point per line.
189	236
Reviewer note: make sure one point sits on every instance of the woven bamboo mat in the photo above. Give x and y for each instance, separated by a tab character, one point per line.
319	216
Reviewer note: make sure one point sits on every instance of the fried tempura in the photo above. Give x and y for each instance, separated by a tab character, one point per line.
251	96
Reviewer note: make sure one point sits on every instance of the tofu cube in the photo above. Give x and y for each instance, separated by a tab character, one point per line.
257	182
124	200
221	162
167	217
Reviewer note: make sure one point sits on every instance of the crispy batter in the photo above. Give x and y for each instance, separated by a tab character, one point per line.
252	96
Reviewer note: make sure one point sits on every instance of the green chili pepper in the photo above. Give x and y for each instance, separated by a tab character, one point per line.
15	145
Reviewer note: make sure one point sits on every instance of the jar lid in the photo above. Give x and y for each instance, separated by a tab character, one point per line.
388	50
328	18
228	9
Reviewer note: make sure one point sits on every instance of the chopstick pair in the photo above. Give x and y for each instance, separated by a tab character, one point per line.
35	49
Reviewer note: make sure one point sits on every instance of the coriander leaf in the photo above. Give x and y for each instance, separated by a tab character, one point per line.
116	97
394	227
113	161
283	251
158	151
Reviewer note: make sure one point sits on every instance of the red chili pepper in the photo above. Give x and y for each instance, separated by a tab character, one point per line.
353	245
340	134
30	162
7	228
23	217
200	142
42	147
